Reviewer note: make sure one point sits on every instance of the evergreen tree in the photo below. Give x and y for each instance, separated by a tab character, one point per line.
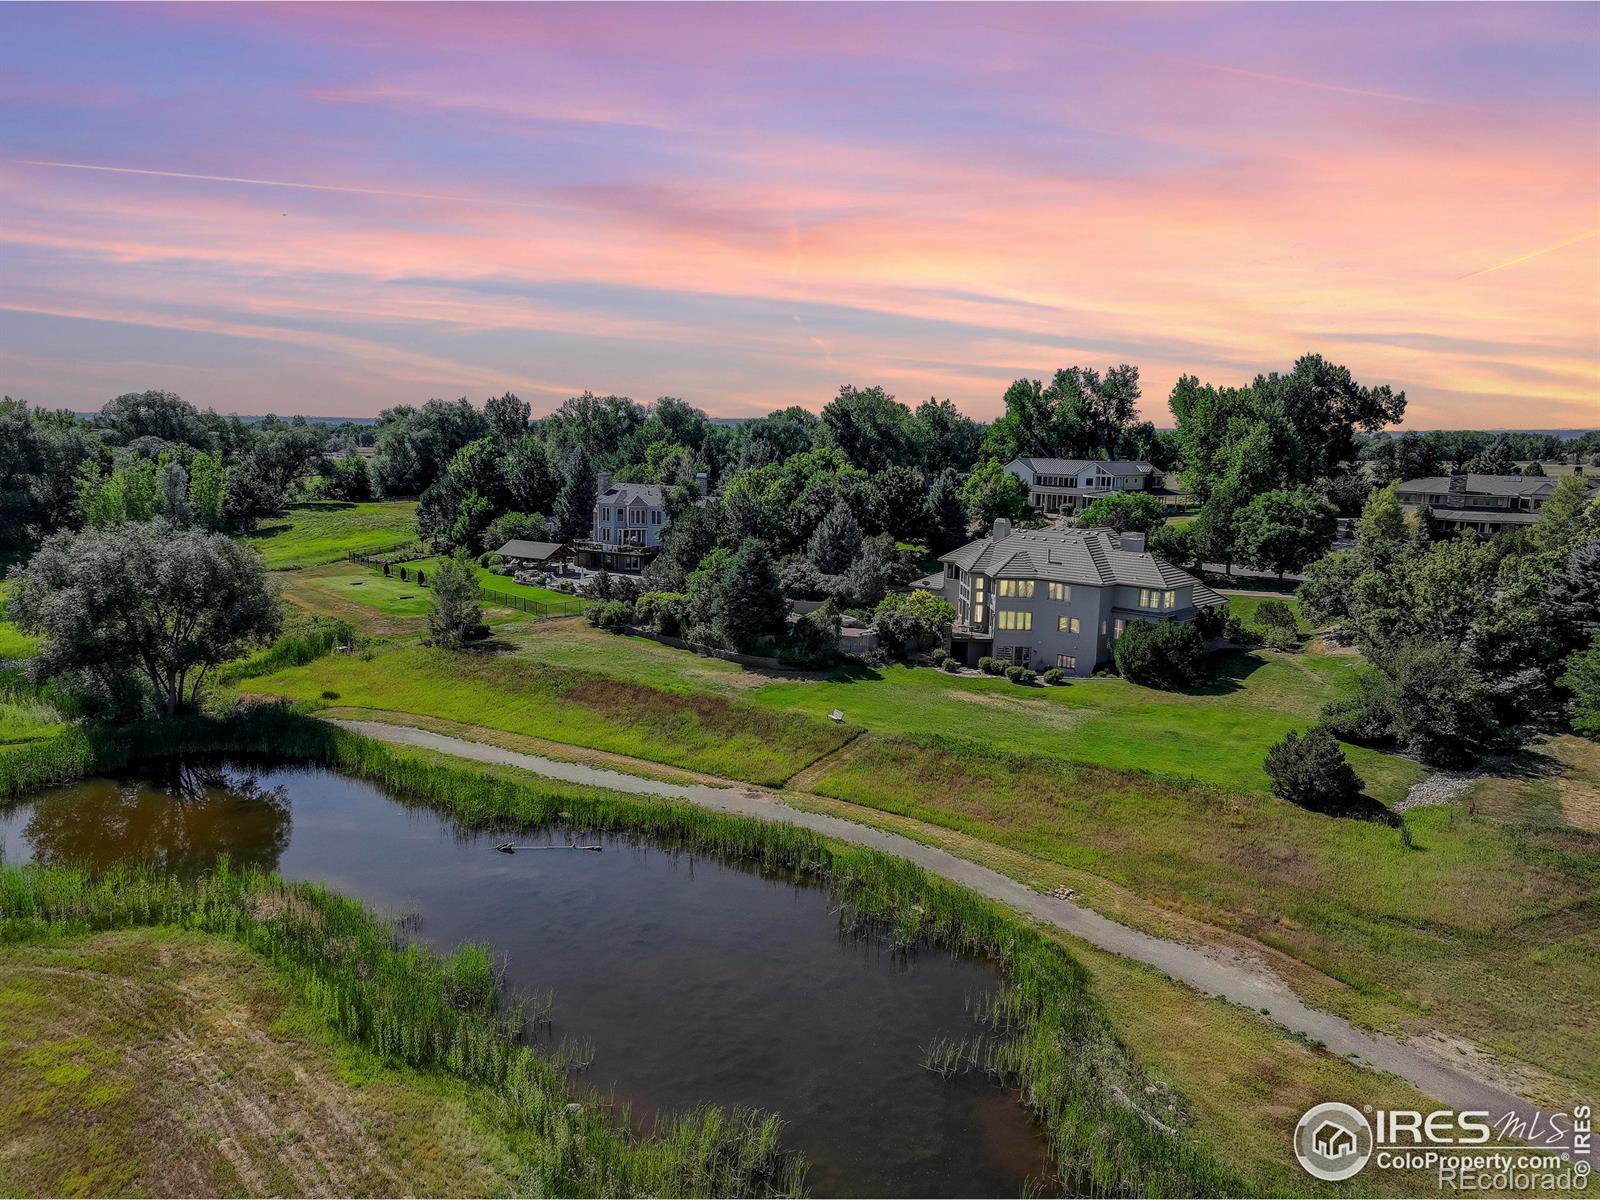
573	514
947	514
1310	770
836	543
1583	681
748	605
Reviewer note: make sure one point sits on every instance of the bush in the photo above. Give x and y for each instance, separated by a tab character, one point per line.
801	580
949	664
1054	677
1311	770
991	666
813	640
1020	675
665	612
1277	625
1162	654
614	616
1365	718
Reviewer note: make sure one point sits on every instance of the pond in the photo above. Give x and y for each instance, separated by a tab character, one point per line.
691	980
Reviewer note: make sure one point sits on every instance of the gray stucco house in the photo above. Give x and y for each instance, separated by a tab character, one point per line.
1060	597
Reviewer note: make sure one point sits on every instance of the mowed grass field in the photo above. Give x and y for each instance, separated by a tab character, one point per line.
514	693
153	1062
324	531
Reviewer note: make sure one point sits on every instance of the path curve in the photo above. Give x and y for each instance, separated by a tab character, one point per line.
1231	980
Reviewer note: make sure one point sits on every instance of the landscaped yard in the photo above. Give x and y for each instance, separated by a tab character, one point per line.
324	531
490	582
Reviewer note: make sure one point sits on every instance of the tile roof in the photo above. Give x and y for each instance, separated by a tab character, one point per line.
1071	466
1088	557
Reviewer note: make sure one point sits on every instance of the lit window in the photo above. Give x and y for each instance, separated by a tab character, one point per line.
1060	591
1169	599
1010	618
1021	588
1102	629
1067	625
1069	661
1118	631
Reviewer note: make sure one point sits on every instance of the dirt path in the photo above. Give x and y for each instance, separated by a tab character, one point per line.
1260	991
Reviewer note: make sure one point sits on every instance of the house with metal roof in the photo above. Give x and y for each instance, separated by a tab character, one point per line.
1486	504
1060	597
1067	484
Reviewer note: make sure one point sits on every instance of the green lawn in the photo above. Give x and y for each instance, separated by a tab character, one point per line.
490	582
519	695
13	642
325	531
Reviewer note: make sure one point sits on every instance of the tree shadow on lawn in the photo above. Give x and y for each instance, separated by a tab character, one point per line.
1229	670
853	673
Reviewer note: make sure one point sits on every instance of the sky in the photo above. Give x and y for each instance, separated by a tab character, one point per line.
332	210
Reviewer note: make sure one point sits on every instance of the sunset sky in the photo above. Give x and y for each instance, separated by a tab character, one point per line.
332	210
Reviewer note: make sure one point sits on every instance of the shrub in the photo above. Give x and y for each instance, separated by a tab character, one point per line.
801	580
1054	677
991	666
1311	770
456	611
813	640
665	612
614	616
1160	654
1020	675
1278	627
949	664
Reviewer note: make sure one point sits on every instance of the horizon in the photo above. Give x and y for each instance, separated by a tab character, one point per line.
266	208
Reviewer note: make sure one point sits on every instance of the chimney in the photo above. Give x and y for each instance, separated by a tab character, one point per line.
700	482
1002	528
1458	492
603	483
1132	543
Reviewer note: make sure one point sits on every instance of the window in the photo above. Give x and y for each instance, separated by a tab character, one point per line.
605	514
1169	599
1010	618
1060	591
636	517
1069	661
951	571
655	516
1119	627
1154	598
977	601
1067	625
1022	588
1102	629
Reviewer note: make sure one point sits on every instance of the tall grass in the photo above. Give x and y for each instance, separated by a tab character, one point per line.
1045	1034
420	1009
303	642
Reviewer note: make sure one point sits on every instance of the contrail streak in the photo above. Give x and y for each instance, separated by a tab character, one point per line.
1522	258
490	202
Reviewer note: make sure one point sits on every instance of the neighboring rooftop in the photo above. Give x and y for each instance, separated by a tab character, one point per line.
1071	466
1089	557
1485	485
